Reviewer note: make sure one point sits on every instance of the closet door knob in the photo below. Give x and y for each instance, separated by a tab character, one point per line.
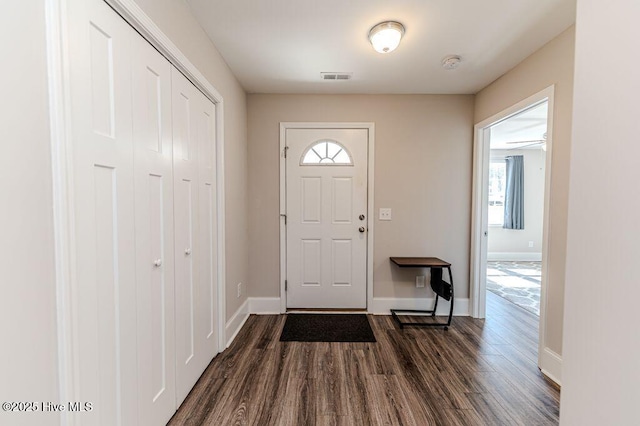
157	263
187	251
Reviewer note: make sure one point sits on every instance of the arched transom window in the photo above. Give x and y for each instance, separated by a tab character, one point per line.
326	153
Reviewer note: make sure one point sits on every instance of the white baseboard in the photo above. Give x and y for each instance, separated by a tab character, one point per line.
551	365
264	305
236	322
380	306
383	305
523	257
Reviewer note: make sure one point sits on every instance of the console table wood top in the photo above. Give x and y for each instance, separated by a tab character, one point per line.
419	262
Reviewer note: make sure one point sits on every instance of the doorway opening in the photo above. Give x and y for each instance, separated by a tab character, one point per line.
510	222
517	151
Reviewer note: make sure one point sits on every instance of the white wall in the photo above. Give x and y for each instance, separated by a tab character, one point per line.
28	360
601	340
551	65
513	244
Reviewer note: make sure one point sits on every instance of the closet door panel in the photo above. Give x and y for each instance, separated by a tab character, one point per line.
207	286
104	304
154	233
184	108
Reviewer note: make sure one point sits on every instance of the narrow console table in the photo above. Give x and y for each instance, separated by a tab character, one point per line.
440	287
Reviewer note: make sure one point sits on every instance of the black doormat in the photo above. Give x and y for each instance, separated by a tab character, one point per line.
327	328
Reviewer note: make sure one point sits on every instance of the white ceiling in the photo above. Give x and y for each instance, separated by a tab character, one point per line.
527	126
282	46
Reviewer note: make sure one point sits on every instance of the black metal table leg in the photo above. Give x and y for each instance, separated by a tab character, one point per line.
394	312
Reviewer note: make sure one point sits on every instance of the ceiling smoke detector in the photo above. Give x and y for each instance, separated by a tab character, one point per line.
451	62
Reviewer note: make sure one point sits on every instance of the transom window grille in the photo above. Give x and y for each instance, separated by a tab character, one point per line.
326	153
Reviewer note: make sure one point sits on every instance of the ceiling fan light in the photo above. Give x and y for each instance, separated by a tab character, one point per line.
385	37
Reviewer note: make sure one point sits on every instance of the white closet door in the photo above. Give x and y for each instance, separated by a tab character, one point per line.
208	268
144	205
154	233
103	194
185	147
195	232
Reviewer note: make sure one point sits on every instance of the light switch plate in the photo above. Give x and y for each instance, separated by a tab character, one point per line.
385	214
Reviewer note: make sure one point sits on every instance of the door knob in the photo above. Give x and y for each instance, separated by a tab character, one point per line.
187	251
361	229
157	262
361	217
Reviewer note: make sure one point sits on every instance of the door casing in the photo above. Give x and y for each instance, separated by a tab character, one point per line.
479	227
370	127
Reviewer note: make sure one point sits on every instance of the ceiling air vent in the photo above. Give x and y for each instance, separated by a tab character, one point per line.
336	75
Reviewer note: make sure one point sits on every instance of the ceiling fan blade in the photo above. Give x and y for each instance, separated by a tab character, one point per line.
527	146
529	142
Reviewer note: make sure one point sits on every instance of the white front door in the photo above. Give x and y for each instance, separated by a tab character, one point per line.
326	205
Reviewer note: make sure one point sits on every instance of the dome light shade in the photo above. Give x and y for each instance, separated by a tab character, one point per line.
385	36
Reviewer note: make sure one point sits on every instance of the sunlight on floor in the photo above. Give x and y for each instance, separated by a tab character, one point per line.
517	282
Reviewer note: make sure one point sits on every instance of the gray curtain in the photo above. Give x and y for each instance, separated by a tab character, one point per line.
514	193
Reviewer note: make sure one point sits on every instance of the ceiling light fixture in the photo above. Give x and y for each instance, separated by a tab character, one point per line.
385	36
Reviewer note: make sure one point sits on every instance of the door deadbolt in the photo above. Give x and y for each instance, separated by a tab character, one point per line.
361	217
361	229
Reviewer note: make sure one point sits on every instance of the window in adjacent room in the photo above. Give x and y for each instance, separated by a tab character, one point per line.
497	183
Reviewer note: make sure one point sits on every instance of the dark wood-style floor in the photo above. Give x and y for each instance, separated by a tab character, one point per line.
479	372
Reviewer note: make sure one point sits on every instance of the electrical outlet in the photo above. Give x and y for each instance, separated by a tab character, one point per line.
420	279
239	289
385	214
530	244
